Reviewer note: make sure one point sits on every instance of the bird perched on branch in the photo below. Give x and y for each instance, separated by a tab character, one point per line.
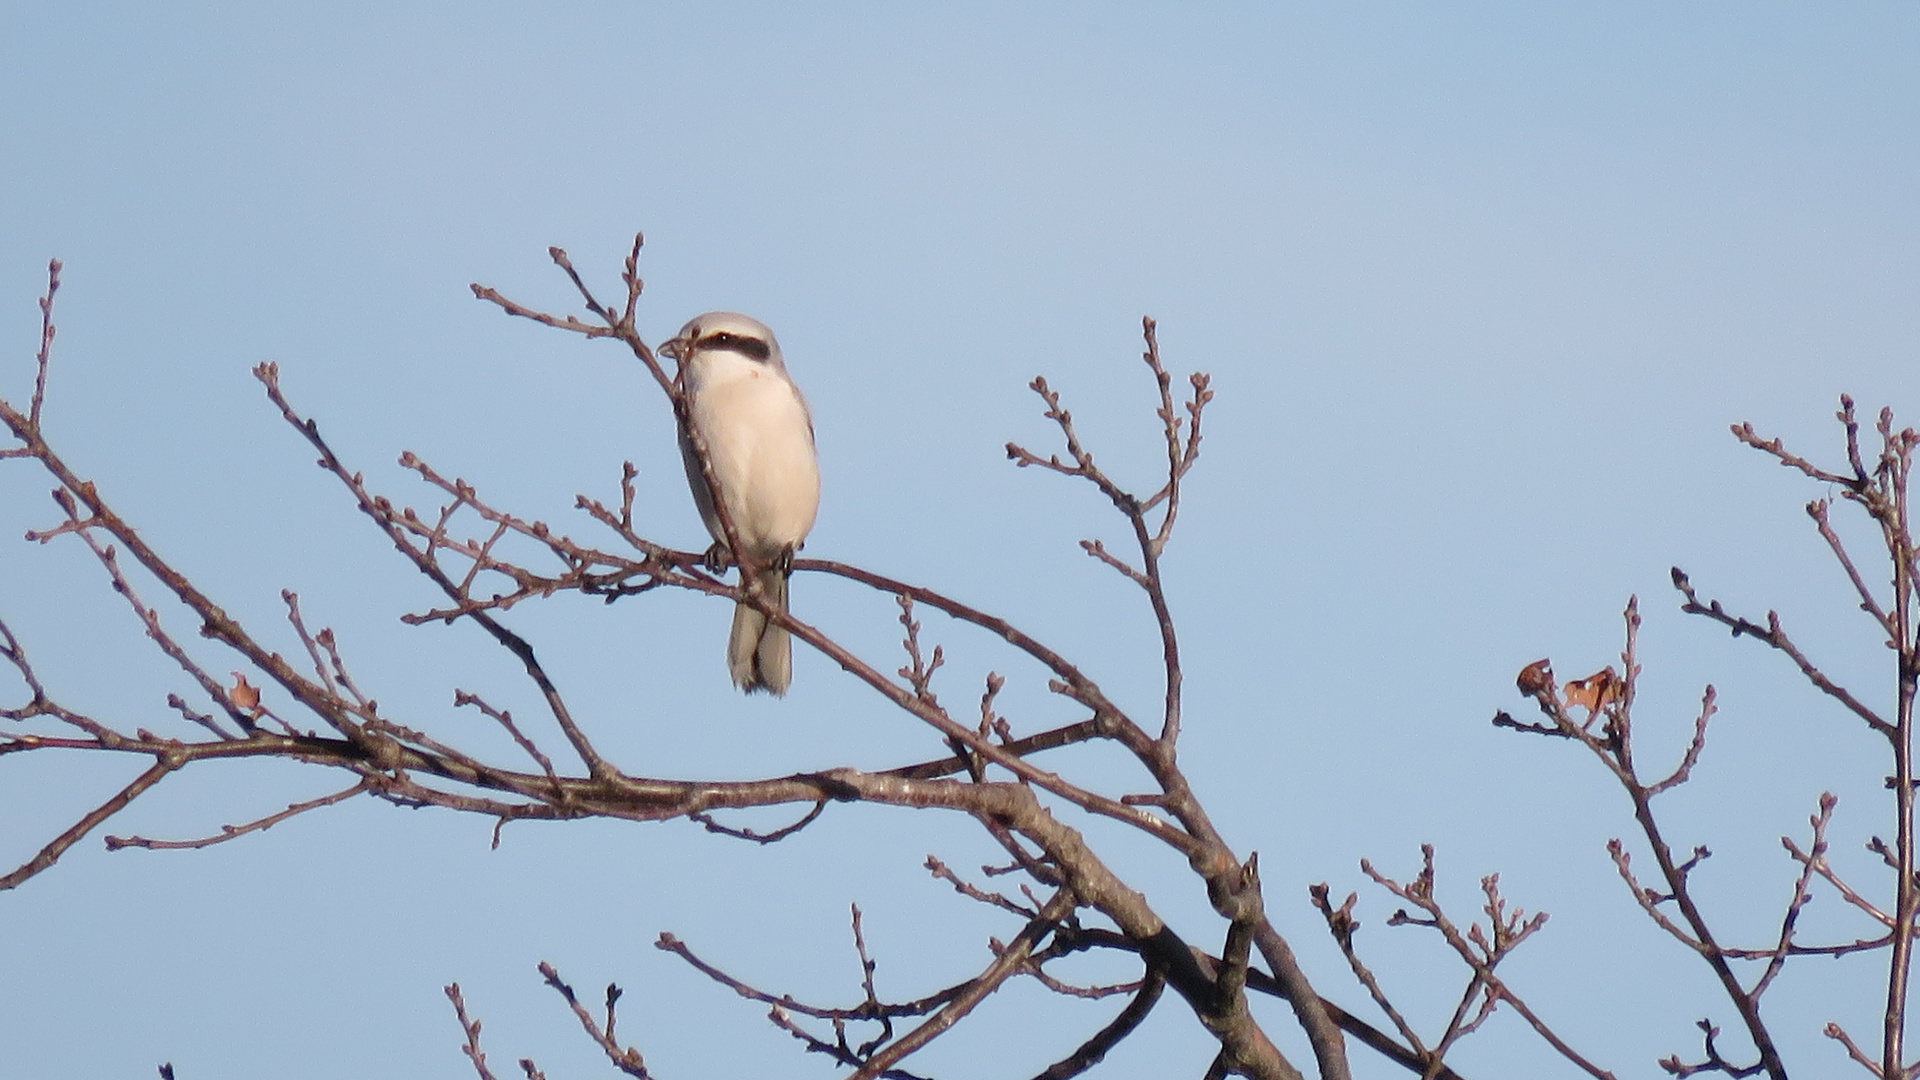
753	423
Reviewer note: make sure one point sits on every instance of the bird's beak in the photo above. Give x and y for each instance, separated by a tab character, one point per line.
673	347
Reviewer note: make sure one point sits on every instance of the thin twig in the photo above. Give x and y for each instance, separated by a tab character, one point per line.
471	1029
229	832
626	1059
51	853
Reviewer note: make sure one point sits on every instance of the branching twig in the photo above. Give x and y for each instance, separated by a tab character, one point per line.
626	1059
1481	950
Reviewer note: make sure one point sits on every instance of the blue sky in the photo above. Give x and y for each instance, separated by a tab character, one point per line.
1480	287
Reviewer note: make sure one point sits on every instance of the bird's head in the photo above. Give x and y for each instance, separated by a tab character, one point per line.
724	331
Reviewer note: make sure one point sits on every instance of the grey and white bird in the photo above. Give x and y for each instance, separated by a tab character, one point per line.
758	436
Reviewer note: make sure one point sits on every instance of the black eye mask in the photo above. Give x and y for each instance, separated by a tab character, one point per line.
753	347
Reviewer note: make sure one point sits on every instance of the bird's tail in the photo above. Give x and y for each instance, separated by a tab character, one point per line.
759	653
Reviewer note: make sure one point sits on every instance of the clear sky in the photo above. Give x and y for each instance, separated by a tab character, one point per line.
1480	287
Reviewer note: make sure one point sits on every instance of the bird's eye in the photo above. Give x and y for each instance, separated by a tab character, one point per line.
721	339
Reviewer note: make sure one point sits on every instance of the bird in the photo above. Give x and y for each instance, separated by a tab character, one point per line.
758	434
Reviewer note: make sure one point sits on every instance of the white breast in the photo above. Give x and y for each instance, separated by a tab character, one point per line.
760	441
